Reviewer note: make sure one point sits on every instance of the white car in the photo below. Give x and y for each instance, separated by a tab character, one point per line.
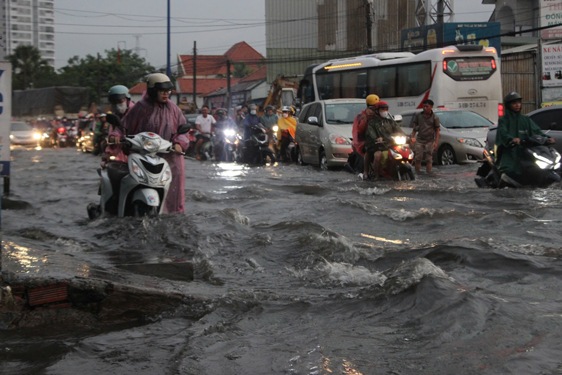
324	130
23	134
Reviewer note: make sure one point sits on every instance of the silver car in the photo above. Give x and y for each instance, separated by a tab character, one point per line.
462	136
323	134
23	134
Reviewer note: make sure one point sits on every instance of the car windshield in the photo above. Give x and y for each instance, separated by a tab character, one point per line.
19	126
343	113
462	119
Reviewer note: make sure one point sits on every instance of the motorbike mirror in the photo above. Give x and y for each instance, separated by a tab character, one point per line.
113	120
184	128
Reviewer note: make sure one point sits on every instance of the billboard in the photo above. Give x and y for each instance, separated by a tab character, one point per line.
427	37
551	15
5	116
552	65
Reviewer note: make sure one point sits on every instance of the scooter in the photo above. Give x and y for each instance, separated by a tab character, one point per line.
62	137
397	165
288	151
139	187
226	144
540	163
255	150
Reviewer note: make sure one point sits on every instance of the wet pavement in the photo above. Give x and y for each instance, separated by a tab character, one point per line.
282	269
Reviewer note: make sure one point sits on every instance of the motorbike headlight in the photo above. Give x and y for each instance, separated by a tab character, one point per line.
166	176
339	140
139	172
557	155
275	128
399	140
36	136
542	164
470	142
395	154
229	132
151	145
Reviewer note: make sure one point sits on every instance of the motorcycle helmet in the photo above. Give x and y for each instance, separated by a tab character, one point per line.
220	112
287	109
381	104
117	93
372	100
156	82
511	97
268	107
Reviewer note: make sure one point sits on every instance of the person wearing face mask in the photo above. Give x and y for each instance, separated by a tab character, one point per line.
379	130
120	102
286	123
251	120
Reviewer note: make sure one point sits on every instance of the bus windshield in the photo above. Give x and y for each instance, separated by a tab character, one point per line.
343	113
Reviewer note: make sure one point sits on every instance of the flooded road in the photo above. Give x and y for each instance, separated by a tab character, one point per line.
296	270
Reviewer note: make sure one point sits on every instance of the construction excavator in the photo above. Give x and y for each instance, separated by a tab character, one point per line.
281	93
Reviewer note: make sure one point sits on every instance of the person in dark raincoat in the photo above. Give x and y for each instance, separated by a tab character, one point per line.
512	128
379	130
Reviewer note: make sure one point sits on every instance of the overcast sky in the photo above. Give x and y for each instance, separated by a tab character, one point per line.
89	27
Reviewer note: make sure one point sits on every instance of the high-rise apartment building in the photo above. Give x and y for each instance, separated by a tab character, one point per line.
28	22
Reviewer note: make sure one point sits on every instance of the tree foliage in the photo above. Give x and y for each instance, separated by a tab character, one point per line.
241	70
29	70
99	73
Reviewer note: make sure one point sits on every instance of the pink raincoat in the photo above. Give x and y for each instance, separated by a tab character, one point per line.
117	150
164	120
358	132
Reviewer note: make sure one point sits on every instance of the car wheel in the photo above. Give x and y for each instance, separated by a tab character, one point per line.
447	155
300	160
323	161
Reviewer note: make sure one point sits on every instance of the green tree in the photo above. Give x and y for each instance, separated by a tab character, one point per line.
29	70
241	70
99	73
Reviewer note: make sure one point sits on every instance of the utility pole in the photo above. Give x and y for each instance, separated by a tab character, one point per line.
440	8
168	67
99	83
228	84
369	25
195	73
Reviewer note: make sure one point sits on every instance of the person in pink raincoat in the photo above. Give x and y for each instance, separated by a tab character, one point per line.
120	101
157	114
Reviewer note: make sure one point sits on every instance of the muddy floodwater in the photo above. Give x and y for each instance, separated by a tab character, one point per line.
291	270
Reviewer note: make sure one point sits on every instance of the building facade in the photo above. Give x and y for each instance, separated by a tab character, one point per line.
304	32
31	23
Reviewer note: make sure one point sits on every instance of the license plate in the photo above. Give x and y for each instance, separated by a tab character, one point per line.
466	105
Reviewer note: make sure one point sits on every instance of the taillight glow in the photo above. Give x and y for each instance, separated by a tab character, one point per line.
61	130
500	110
448	51
444	65
493	50
493	64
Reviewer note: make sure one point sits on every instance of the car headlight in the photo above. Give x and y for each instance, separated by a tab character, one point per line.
151	145
339	140
166	176
139	172
11	136
36	136
275	128
470	142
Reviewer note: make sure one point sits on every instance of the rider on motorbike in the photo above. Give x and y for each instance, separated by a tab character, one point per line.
512	128
223	123
379	130
120	101
355	160
287	127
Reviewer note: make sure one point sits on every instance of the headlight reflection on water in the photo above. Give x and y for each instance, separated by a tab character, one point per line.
382	239
28	262
231	171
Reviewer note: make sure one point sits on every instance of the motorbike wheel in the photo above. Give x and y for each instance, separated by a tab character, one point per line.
268	157
140	209
407	175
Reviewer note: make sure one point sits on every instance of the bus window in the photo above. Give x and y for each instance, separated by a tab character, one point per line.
414	79
328	86
354	84
382	82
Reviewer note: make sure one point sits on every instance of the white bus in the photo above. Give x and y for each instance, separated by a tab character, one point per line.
457	77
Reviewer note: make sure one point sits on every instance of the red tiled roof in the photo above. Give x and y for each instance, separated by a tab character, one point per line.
257	75
139	88
204	85
210	65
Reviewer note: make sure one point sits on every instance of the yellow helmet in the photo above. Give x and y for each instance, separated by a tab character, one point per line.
372	100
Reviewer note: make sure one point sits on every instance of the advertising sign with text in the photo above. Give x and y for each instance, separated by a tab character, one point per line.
552	65
550	15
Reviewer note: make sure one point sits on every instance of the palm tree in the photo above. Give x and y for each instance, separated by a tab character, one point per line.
27	66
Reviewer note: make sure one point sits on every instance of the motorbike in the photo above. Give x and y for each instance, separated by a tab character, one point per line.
541	165
61	137
255	150
192	136
288	151
140	187
226	144
397	165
